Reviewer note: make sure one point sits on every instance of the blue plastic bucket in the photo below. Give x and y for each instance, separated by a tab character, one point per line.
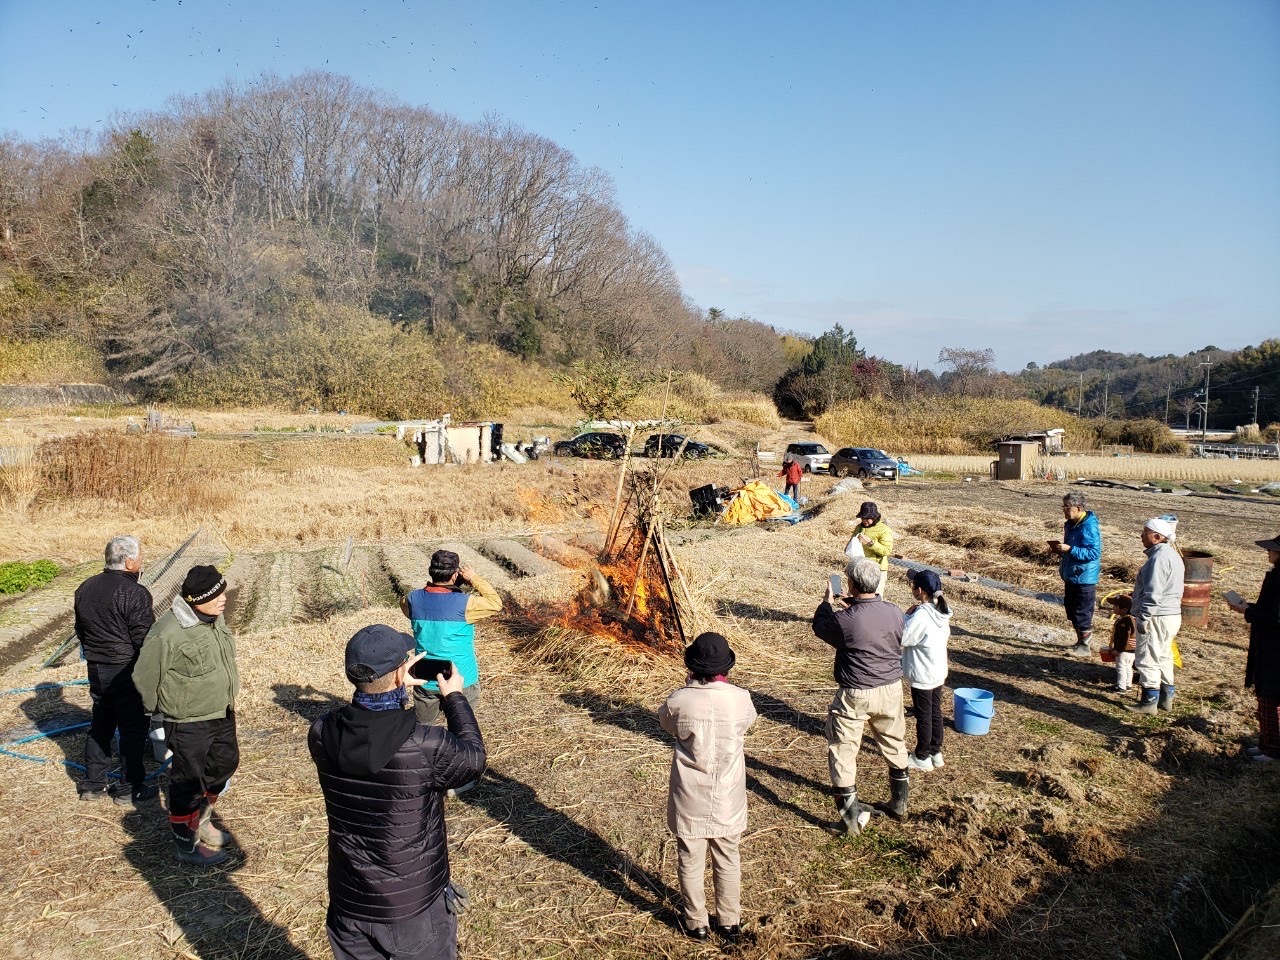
974	709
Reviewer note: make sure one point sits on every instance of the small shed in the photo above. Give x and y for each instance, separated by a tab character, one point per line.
1014	459
443	441
1049	441
472	442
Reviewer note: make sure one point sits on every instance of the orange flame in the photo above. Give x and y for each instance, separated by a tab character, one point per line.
651	625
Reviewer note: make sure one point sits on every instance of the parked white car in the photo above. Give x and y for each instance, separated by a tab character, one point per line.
812	457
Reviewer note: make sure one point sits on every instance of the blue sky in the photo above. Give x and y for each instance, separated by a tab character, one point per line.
1041	178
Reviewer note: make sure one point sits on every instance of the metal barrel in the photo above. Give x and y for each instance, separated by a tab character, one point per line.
1196	584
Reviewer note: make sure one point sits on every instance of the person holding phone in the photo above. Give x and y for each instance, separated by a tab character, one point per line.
1262	665
444	614
866	633
1079	564
383	775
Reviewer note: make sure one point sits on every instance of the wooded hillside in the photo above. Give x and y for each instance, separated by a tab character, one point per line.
312	242
280	215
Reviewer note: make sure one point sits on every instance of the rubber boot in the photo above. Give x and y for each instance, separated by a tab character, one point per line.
853	817
1081	649
1147	703
899	788
186	838
208	834
1166	697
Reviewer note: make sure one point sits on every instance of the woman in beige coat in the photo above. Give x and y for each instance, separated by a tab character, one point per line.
707	803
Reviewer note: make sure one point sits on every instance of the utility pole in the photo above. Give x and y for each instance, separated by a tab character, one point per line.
1168	389
1255	405
1204	423
1080	395
1106	397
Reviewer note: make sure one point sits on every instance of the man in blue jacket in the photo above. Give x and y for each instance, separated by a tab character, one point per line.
383	775
1080	564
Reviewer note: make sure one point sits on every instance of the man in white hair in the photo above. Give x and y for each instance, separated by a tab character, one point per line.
1157	608
113	614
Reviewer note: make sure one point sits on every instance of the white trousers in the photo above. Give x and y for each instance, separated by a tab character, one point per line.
1154	659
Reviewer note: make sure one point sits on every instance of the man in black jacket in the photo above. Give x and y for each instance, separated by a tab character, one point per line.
113	614
866	633
383	775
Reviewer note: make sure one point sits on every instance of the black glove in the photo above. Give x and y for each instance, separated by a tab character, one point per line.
456	898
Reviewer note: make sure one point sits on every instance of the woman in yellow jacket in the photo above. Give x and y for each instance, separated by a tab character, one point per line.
876	540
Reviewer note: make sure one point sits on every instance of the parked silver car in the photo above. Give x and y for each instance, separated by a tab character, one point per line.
812	457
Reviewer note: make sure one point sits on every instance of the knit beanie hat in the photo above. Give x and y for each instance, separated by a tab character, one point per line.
202	584
709	656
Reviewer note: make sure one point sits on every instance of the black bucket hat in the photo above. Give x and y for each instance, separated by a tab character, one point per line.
709	656
1273	544
868	509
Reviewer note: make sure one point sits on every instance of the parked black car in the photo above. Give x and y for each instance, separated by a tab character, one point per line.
863	462
667	444
604	446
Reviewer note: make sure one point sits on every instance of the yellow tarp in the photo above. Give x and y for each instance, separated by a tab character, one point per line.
756	501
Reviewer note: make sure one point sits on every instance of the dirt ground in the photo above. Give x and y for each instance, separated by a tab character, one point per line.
1072	829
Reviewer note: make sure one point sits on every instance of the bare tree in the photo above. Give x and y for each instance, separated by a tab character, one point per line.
970	369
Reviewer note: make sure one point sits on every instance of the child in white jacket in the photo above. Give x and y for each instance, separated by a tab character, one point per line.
924	664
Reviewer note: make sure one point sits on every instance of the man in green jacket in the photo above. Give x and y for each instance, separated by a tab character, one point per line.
187	671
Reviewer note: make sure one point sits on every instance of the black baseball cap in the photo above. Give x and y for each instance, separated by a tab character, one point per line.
375	651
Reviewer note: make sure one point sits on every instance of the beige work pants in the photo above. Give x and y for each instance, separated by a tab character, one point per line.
850	712
726	876
1154	658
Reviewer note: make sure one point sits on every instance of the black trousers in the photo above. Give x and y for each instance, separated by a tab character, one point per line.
928	710
432	935
117	705
205	755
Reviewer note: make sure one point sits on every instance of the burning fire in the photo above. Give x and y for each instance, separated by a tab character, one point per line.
600	609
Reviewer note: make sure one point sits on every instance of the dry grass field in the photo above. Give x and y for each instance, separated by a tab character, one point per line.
1072	829
1140	467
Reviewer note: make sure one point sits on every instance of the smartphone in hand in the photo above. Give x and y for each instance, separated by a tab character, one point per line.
428	667
1233	598
837	585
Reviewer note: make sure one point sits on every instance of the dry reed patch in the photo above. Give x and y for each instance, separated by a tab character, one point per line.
1137	469
20	477
135	472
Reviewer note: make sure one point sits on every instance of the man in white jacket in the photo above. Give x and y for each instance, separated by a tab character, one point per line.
1157	608
924	665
